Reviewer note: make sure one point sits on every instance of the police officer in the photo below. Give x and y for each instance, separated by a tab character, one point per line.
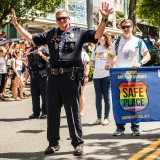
65	47
37	66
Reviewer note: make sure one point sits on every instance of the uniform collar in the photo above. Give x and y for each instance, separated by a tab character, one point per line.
68	31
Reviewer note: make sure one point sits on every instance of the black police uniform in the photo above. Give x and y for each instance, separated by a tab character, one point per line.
38	73
63	88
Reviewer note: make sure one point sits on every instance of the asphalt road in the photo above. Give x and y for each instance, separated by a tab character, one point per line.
24	139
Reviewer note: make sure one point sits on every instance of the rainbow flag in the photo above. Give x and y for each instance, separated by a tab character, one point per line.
101	54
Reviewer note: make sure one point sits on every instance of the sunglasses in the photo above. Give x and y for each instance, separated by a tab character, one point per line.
61	18
123	27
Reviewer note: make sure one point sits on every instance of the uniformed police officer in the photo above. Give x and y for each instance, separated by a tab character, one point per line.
65	47
37	66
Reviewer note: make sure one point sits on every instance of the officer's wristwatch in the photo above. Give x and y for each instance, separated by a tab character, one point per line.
104	20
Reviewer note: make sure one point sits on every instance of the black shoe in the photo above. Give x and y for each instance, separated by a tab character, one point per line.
78	151
33	116
52	149
136	133
118	133
43	116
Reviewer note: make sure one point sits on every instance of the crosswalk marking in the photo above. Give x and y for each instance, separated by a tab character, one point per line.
146	150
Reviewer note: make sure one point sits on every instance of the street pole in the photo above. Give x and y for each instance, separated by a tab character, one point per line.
126	9
89	4
66	4
114	14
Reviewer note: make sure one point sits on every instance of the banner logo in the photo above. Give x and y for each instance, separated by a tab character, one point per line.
133	96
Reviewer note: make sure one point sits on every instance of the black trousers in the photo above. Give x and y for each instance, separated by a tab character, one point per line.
39	89
134	127
2	82
62	90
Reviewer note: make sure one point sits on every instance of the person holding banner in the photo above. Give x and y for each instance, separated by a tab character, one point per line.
128	52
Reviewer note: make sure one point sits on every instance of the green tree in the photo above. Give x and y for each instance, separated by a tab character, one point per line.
26	9
132	11
149	10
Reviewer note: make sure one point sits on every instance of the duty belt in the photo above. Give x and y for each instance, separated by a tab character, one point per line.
58	71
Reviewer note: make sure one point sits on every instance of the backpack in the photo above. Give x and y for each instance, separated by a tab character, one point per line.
139	46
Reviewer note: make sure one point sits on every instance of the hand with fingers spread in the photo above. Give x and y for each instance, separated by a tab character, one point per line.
105	11
14	18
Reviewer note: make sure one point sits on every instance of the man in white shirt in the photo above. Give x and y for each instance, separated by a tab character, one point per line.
127	55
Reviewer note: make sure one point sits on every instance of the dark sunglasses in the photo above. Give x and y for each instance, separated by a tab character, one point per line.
61	18
123	27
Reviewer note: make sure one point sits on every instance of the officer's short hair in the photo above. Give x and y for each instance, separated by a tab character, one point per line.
62	10
126	21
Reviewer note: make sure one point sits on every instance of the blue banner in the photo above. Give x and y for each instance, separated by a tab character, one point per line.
135	94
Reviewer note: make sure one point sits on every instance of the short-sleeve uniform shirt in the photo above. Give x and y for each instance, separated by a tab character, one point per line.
65	47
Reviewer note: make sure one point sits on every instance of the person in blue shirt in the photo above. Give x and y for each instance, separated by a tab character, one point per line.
149	43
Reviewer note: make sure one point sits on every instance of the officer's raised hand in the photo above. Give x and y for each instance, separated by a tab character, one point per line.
14	18
105	11
20	29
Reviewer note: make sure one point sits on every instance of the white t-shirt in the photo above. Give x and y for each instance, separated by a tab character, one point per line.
100	56
18	64
3	68
85	57
128	51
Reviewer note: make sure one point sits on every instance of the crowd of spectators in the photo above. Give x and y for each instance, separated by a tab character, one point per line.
13	70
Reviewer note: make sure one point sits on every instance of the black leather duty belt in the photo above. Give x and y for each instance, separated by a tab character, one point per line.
58	71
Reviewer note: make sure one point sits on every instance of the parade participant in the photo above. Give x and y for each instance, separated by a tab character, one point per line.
128	53
101	78
85	60
37	67
65	47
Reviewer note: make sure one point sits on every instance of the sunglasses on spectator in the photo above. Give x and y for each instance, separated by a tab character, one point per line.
61	18
123	27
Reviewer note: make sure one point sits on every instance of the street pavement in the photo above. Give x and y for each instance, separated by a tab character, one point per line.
24	139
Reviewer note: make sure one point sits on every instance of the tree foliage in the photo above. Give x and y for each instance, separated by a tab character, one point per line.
149	10
26	9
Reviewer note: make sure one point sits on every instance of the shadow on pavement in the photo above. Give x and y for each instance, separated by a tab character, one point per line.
24	155
38	156
13	119
100	136
31	131
114	149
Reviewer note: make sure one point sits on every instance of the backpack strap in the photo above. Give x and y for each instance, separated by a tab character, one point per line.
117	44
140	47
